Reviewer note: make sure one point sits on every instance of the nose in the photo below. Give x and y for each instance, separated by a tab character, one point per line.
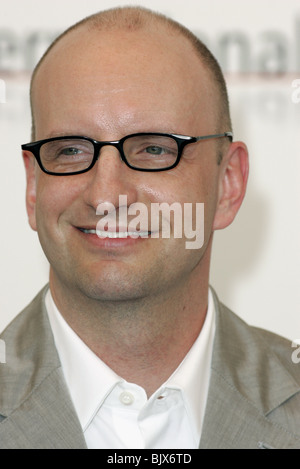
110	178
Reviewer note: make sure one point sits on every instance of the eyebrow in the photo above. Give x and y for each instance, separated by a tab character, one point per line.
55	134
62	134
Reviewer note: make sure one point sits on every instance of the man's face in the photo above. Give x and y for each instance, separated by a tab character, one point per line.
106	86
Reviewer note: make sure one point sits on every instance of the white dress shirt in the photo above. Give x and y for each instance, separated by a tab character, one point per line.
116	414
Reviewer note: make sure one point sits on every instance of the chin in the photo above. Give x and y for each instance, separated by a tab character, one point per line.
112	289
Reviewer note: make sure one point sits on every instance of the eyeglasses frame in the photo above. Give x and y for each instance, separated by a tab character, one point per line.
181	140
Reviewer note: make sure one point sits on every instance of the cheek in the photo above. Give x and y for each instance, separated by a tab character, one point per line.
54	196
190	189
202	188
197	185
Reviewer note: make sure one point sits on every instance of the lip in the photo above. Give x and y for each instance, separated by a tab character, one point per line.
119	233
109	239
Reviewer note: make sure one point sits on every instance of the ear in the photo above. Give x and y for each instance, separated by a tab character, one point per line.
30	164
232	184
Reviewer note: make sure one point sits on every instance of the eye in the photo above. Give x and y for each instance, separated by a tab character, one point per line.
155	150
70	151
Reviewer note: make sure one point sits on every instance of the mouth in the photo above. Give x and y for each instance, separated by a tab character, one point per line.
116	234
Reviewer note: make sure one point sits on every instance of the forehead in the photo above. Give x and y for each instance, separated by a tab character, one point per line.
150	71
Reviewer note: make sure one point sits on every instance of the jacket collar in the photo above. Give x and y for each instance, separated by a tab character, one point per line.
248	383
38	384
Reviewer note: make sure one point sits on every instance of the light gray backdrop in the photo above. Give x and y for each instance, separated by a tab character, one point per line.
256	261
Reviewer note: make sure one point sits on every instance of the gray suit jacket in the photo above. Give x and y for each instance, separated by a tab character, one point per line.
253	402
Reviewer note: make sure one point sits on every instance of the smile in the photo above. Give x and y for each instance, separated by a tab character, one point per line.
117	234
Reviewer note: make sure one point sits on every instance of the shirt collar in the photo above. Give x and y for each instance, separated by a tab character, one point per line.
90	380
193	374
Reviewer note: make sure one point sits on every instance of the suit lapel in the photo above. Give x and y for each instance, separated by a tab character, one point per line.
232	422
248	384
46	420
34	398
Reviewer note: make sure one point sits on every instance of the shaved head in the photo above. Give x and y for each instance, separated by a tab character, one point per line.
132	19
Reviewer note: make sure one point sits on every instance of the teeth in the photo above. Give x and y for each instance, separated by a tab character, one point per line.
88	231
117	234
121	234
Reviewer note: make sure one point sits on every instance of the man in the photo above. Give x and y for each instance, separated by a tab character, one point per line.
128	347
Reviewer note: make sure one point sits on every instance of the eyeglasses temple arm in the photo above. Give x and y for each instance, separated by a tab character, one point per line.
207	137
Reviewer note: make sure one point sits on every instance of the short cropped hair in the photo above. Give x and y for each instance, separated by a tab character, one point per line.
136	18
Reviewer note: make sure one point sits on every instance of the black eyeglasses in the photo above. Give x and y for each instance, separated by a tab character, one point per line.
65	156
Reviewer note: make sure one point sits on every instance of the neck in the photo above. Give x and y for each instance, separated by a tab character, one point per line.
143	340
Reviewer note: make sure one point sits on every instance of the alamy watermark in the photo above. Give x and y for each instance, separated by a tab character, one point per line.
2	91
160	220
296	92
2	351
296	353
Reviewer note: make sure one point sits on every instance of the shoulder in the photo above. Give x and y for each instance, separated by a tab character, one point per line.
30	353
259	366
261	342
30	318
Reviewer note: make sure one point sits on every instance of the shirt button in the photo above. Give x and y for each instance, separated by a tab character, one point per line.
126	398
